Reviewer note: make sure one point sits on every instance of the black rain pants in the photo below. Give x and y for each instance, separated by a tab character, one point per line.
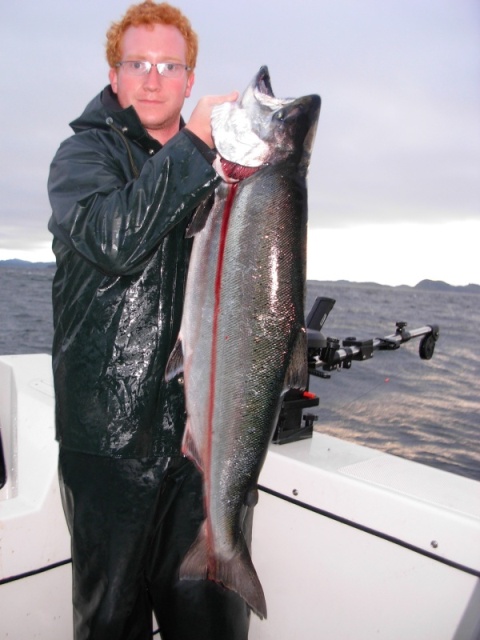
131	523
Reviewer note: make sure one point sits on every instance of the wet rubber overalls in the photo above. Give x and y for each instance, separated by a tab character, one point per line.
120	206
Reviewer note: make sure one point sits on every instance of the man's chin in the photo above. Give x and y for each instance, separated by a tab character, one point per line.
161	129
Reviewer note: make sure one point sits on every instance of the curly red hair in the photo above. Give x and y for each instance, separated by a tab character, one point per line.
151	13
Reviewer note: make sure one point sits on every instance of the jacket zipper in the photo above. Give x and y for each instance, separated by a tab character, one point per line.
110	123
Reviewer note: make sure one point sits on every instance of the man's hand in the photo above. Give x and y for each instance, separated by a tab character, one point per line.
199	122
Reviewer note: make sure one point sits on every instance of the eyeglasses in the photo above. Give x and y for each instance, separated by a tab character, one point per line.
143	67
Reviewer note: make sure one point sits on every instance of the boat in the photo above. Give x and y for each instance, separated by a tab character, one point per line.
350	543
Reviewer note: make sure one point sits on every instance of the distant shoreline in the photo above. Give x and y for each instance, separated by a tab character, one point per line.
15	262
423	285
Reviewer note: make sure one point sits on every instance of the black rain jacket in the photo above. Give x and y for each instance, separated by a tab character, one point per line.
120	206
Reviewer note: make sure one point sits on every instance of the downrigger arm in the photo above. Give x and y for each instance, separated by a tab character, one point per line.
327	354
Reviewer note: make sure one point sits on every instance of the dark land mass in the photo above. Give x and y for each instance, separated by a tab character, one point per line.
423	285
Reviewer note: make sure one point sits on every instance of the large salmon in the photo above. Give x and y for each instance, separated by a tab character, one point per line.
242	341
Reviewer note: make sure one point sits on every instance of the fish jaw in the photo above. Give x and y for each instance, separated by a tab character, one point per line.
256	130
234	132
237	142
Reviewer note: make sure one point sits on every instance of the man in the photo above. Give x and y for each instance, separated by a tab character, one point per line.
122	191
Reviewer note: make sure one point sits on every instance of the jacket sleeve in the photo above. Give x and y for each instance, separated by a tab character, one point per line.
111	221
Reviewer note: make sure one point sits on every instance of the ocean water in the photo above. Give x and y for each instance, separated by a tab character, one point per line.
423	410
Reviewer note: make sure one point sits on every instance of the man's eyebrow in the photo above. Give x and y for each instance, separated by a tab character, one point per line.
142	58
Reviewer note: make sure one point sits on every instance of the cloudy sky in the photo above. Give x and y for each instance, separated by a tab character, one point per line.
394	183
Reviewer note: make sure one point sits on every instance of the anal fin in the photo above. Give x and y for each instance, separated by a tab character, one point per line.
189	447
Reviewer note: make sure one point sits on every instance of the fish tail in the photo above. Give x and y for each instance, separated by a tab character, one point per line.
237	573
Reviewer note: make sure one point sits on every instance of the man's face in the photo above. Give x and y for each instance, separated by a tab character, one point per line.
156	99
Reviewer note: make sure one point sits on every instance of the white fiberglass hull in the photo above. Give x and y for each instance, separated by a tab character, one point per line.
349	543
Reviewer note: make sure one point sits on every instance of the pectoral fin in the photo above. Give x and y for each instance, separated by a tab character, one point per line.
175	362
199	218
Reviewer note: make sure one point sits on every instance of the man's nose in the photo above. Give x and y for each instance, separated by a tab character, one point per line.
153	79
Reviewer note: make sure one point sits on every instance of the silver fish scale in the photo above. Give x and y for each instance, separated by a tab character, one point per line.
261	314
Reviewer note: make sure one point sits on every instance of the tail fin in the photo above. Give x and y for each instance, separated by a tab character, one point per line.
237	573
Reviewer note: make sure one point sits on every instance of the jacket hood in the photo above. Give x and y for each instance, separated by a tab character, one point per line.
104	112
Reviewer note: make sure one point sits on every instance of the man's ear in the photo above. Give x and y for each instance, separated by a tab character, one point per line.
112	75
190	81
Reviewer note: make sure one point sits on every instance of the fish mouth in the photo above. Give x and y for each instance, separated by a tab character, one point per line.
262	82
233	172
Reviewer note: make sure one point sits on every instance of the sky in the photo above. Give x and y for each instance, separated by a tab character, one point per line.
394	181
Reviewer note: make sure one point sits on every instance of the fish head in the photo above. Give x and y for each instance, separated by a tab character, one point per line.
260	129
